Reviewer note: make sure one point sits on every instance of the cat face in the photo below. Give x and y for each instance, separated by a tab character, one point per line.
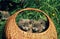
38	26
42	23
4	14
32	25
24	25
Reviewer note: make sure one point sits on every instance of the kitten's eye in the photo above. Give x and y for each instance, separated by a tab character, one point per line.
41	22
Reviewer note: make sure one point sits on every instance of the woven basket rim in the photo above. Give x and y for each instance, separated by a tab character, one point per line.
16	13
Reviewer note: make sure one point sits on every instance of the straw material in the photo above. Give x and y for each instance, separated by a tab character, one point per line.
13	31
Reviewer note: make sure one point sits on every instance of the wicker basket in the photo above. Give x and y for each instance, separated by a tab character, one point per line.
13	31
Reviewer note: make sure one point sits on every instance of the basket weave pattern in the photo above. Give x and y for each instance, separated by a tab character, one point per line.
14	32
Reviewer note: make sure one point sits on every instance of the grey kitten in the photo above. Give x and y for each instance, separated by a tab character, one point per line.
32	25
38	26
24	24
4	14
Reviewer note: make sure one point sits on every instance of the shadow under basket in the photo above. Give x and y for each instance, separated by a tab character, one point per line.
14	32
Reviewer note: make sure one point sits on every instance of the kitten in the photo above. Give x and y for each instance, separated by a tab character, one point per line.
24	24
38	26
32	25
4	15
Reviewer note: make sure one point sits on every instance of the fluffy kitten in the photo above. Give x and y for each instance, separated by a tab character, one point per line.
4	15
32	25
38	26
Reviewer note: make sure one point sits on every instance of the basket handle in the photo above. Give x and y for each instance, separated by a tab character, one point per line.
16	13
